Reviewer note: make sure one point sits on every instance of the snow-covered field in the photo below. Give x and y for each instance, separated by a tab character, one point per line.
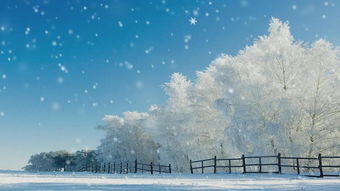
18	181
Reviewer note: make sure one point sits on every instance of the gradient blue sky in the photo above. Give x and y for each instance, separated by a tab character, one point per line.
65	64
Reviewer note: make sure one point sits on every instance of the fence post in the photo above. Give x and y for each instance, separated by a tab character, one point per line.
127	167
121	167
229	164
214	164
159	168
191	167
202	167
320	165
279	162
260	165
298	165
151	168
170	168
136	166
244	164
108	168
114	167
142	168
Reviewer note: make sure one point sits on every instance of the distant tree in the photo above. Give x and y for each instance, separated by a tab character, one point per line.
83	159
63	159
40	162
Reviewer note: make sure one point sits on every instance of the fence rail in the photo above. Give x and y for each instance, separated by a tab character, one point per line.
275	163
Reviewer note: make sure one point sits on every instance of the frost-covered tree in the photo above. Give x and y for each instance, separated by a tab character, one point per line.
318	98
276	95
126	139
284	86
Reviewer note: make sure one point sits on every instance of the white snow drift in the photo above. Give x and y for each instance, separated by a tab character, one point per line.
17	181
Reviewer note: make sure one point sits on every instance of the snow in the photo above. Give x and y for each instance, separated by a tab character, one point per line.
15	180
193	21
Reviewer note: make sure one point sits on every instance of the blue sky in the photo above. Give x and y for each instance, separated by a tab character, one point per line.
65	64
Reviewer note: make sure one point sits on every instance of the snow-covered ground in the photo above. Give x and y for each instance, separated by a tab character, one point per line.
18	181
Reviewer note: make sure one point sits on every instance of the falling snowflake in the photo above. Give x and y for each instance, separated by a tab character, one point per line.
120	24
55	106
193	21
60	80
63	68
187	38
128	65
195	12
36	8
27	31
147	51
139	84
294	7
94	104
94	86
70	31
54	43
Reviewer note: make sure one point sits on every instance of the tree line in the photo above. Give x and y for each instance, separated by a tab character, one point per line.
61	161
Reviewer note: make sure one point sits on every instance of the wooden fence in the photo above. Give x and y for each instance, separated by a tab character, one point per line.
127	167
152	168
321	165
